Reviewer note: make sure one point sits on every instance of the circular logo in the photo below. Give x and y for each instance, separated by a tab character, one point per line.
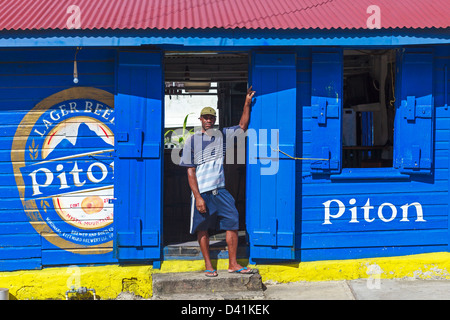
62	157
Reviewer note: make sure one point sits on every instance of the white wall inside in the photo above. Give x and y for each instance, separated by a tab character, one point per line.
178	106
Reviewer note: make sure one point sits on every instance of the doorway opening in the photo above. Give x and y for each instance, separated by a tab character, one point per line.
194	80
369	111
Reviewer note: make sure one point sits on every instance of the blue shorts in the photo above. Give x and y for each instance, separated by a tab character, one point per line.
221	212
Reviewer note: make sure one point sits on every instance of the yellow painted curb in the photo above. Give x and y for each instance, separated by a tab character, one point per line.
52	283
421	266
109	281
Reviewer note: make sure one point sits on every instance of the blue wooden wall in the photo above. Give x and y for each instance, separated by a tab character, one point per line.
27	76
343	238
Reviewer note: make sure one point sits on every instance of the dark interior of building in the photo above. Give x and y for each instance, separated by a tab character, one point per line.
191	74
368	115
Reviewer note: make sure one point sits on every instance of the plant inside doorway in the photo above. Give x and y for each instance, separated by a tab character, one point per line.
175	138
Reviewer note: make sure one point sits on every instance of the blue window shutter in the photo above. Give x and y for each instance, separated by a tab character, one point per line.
271	195
326	109
138	155
414	118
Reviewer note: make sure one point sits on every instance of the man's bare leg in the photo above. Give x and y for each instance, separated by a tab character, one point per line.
232	242
203	241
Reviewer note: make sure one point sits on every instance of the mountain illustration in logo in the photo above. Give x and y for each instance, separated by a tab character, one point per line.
84	141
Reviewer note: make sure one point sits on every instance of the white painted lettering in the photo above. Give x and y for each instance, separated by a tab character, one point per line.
40	133
366	210
73	107
393	209
53	117
90	174
106	113
76	177
36	185
64	112
62	177
353	211
382	211
419	211
98	108
47	123
94	175
328	215
88	106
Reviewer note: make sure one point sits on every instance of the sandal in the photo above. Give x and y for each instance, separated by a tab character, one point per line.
211	273
243	270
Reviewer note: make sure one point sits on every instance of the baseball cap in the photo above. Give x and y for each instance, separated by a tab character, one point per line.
208	110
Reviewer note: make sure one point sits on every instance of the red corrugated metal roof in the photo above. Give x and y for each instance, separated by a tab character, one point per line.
227	14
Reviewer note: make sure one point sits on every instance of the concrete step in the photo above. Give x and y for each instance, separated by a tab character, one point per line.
218	248
195	285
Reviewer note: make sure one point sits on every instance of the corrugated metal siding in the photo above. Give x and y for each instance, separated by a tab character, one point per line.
227	14
27	76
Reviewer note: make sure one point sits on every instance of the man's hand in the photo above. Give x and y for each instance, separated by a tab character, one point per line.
200	204
245	118
249	97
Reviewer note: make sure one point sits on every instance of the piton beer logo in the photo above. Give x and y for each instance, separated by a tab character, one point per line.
63	161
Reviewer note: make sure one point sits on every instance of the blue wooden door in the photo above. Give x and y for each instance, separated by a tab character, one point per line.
139	156
270	174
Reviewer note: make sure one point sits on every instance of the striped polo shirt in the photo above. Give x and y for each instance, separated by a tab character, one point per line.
206	152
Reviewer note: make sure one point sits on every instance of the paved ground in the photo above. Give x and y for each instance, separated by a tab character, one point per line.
285	299
373	289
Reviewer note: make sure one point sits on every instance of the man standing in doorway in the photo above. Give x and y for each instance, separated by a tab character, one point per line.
212	206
